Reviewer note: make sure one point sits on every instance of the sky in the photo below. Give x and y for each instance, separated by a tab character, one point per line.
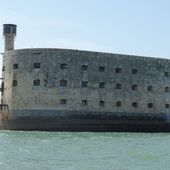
137	27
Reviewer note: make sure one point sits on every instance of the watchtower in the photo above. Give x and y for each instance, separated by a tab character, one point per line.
9	33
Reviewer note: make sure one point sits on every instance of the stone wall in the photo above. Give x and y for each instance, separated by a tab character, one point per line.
77	68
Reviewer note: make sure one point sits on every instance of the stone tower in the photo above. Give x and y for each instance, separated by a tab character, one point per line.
9	33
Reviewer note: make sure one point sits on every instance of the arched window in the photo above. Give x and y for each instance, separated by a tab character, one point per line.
101	103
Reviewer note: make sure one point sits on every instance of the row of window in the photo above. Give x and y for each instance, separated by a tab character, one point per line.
118	103
85	84
64	66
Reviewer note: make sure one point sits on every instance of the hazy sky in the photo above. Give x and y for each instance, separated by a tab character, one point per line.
140	27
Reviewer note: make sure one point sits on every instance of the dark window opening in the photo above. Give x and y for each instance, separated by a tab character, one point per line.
167	106
118	86
37	65
15	66
101	103
3	68
36	82
102	85
84	67
14	83
118	70
134	87
166	89
63	101
63	66
101	68
134	71
166	74
135	104
150	88
84	102
63	82
84	84
150	105
118	104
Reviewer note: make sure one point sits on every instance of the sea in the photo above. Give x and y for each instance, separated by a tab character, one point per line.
21	150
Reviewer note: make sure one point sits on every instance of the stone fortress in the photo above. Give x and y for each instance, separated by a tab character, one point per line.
73	90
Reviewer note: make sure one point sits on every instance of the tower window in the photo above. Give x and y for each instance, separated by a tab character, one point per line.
101	69
63	66
102	85
135	104
37	65
63	82
167	106
84	102
101	103
118	104
84	84
150	105
118	86
134	87
36	82
166	74
14	83
15	66
134	71
63	101
150	88
84	67
118	70
166	89
3	68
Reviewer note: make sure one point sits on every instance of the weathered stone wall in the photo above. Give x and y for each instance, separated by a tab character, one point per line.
147	71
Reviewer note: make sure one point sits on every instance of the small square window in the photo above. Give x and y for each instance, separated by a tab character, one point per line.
101	103
118	104
134	87
167	106
36	82
102	85
135	104
63	82
84	67
37	65
101	69
84	84
166	89
63	101
63	66
14	83
166	74
118	86
84	102
150	105
118	70
134	71
15	66
150	88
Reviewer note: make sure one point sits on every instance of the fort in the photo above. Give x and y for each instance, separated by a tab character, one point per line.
74	90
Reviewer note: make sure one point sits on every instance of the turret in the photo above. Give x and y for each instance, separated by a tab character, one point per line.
9	33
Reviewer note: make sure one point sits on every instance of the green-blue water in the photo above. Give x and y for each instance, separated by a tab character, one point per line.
84	151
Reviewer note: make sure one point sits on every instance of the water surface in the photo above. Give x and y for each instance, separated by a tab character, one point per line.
84	151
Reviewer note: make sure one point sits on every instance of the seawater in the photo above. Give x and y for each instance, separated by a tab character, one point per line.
84	151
